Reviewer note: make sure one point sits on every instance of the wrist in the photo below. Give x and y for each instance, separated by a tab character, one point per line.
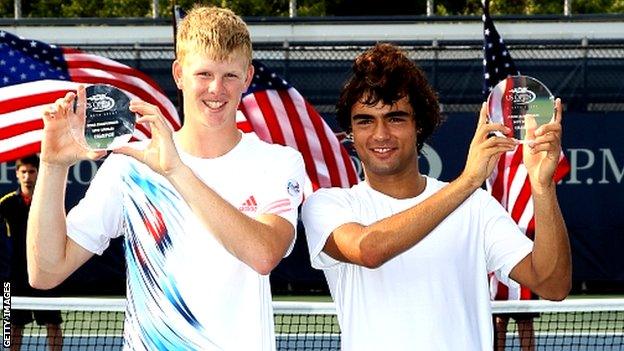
177	174
52	167
469	182
538	189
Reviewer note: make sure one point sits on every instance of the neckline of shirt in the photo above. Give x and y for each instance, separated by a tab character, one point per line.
425	193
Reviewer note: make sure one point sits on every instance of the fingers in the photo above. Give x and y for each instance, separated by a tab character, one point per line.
549	142
485	129
81	101
143	108
558	110
150	114
157	126
495	144
130	151
482	115
548	136
96	154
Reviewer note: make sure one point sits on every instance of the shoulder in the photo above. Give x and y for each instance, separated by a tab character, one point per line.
253	141
275	153
325	196
8	197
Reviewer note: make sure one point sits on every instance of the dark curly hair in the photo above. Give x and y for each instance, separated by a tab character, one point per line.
384	73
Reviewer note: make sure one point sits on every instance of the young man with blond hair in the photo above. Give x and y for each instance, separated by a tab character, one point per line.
207	212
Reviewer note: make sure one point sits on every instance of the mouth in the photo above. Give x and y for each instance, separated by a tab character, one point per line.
383	152
214	105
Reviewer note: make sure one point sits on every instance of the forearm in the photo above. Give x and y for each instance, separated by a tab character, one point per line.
46	231
393	235
250	240
551	259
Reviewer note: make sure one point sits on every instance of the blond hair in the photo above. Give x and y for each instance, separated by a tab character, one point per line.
215	31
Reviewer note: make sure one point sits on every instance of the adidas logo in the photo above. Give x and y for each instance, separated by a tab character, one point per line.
249	205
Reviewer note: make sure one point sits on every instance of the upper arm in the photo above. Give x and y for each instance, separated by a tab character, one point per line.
283	232
343	244
507	249
75	256
522	273
329	220
279	200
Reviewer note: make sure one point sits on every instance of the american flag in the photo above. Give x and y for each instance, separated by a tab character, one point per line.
509	183
278	113
34	74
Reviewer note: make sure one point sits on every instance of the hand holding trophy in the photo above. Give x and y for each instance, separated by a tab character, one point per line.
521	103
108	123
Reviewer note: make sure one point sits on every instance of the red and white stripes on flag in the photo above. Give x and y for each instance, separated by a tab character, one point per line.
279	114
34	74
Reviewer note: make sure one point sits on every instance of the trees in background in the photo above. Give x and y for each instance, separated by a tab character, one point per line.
269	8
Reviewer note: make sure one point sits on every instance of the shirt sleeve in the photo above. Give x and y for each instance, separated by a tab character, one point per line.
323	212
97	218
505	244
284	193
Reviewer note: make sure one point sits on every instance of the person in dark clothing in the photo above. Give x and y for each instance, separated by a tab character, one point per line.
14	208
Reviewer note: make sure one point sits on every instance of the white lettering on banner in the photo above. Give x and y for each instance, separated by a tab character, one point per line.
7	168
575	167
585	159
607	157
80	176
81	173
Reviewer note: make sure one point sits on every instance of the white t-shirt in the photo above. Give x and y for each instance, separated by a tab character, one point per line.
434	296
185	291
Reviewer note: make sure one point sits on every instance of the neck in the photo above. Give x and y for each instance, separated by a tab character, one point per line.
405	185
26	192
204	143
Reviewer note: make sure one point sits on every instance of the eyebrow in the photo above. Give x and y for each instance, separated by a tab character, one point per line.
390	114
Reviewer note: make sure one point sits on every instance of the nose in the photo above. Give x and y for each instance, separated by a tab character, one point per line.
381	131
216	85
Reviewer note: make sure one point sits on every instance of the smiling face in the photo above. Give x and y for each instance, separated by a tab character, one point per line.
212	88
384	137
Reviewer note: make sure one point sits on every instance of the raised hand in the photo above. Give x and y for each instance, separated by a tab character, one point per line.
58	145
160	154
485	149
541	154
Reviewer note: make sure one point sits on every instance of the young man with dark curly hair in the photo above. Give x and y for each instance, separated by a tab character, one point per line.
406	256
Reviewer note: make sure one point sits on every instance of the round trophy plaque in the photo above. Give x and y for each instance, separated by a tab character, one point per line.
521	103
109	123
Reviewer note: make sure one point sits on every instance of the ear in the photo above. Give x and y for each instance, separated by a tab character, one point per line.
176	70
250	74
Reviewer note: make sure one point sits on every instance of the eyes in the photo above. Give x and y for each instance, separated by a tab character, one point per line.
229	76
369	120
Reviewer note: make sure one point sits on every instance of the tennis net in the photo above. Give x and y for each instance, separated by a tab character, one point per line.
574	324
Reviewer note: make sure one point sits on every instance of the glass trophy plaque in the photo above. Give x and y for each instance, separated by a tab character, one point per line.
108	123
521	103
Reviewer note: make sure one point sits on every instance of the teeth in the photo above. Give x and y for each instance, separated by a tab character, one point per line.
215	104
382	150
